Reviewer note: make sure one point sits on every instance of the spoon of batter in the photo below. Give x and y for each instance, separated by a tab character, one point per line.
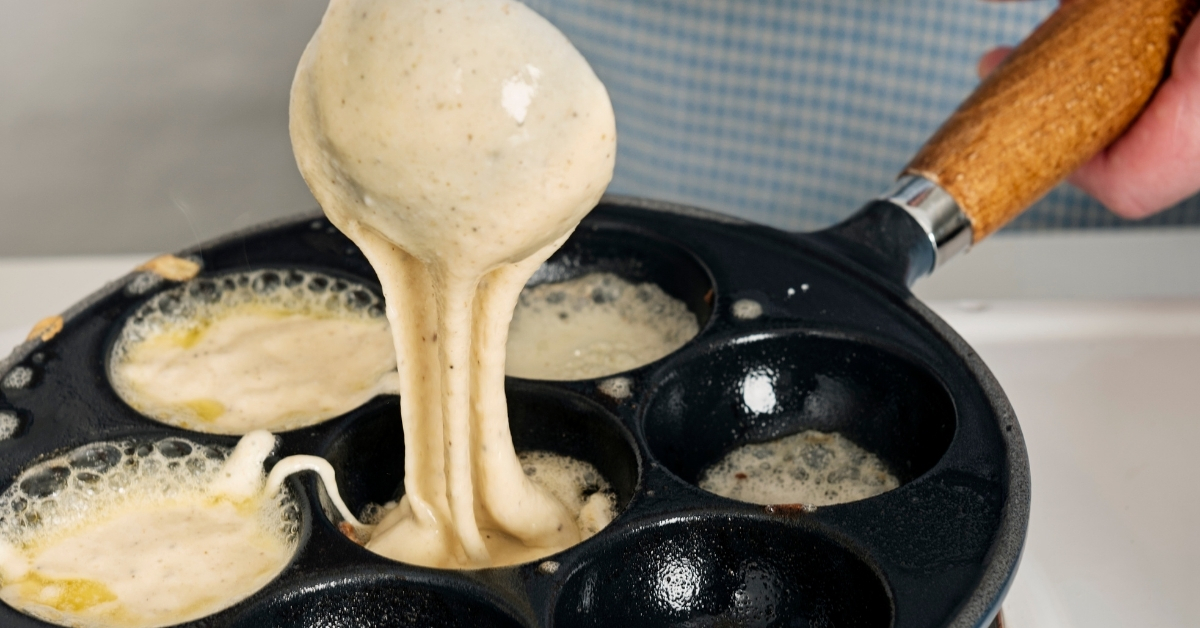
457	143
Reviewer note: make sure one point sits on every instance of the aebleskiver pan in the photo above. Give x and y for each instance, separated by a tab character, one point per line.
859	355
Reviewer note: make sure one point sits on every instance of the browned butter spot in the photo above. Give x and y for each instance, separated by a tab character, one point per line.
171	267
790	510
348	531
46	328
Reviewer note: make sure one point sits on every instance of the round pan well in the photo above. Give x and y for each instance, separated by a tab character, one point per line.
367	453
613	324
762	387
723	572
372	600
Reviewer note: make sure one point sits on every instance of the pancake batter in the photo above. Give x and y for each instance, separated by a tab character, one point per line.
457	143
136	535
252	350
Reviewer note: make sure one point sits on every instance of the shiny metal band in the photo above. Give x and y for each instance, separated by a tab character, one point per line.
937	212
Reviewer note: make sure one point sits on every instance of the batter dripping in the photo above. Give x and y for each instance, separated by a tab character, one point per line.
457	143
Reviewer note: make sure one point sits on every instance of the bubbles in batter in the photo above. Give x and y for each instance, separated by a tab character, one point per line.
746	309
139	534
592	326
812	468
263	349
618	388
577	485
9	424
19	377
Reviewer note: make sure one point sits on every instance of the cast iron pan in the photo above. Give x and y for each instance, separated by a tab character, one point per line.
848	348
849	352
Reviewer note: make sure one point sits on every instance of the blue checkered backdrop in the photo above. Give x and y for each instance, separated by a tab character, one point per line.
795	112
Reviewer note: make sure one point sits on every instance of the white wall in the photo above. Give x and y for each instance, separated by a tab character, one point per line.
132	125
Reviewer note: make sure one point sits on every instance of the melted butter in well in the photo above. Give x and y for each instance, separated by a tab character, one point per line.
812	468
458	143
592	326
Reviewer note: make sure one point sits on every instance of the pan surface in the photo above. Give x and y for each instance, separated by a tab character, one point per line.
842	342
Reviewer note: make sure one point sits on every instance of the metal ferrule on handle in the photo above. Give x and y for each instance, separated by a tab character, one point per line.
948	228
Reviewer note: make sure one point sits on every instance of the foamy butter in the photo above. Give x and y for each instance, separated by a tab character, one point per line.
252	350
594	325
128	534
812	468
458	143
576	484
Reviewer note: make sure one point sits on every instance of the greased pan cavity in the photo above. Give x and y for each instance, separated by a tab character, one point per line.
848	351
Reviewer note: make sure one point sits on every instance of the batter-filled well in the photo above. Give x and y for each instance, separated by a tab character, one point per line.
592	326
586	495
254	350
812	468
142	534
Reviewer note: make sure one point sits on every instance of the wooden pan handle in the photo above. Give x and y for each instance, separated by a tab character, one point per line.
1071	89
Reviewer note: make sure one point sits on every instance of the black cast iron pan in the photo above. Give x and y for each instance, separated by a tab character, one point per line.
846	347
846	351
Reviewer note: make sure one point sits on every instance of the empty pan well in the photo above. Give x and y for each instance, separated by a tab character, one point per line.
625	323
377	600
723	572
761	388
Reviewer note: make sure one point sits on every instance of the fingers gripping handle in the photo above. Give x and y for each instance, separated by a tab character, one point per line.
1071	89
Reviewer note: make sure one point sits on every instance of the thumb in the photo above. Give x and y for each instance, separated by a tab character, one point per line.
992	60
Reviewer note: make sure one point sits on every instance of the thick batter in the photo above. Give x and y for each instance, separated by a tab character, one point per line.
457	143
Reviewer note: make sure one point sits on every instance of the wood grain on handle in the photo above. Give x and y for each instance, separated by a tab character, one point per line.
1071	89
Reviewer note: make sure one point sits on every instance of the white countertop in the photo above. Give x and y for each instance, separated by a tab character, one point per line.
1105	391
1106	394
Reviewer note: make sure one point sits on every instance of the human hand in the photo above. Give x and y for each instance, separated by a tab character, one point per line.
1156	163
